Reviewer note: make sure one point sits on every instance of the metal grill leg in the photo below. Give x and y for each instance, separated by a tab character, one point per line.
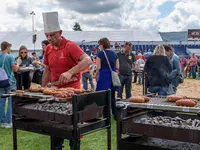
109	138
14	138
52	142
118	129
75	144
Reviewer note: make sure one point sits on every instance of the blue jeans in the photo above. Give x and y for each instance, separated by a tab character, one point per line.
140	75
85	77
193	72
5	115
199	73
160	90
127	82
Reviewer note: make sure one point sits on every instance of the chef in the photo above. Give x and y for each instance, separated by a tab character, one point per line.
64	60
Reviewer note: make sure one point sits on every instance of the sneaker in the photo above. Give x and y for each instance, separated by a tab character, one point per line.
3	125
8	125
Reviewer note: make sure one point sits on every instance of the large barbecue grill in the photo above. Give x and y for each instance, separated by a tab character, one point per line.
69	119
157	125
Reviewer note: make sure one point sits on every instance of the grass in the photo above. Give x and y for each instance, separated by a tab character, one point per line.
32	141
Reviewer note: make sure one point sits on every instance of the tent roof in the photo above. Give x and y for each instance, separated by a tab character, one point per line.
25	38
174	36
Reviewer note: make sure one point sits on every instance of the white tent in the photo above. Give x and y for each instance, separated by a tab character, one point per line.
196	51
25	38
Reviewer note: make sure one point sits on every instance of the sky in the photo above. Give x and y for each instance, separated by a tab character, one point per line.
103	15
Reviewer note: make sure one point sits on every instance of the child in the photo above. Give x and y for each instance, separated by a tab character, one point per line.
140	67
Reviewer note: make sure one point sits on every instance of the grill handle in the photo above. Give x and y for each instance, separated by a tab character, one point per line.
198	114
6	95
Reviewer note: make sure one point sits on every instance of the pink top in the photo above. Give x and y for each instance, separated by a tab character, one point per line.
183	62
193	60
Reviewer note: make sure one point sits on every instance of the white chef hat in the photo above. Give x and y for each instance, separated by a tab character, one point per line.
51	23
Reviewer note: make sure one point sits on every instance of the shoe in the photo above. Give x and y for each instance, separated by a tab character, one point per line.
8	125
3	125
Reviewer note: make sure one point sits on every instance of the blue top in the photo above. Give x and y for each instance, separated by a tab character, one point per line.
112	57
9	61
104	81
26	62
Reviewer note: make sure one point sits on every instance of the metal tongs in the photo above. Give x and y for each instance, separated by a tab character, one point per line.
58	82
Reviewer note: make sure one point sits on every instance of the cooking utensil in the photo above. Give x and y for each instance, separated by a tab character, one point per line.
58	82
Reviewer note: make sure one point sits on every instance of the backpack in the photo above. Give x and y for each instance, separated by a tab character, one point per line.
4	80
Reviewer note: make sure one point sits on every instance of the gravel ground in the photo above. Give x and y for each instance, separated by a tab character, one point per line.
190	88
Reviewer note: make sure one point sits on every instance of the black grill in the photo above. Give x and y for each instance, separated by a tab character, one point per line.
152	128
86	113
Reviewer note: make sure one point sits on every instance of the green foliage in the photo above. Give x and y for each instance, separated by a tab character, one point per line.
77	27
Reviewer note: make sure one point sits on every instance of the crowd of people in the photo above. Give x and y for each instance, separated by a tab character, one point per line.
63	60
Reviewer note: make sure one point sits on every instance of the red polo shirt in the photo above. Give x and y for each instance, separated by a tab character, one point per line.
62	59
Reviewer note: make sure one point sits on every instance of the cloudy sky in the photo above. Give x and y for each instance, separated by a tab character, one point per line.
96	15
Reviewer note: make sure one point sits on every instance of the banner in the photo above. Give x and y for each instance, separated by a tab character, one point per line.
193	34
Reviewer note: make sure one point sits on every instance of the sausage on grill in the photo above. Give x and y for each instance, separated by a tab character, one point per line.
186	102
174	98
137	99
147	99
35	89
48	92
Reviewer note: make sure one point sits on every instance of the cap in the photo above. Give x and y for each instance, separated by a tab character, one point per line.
51	23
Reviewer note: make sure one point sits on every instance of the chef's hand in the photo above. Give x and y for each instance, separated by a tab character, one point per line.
65	78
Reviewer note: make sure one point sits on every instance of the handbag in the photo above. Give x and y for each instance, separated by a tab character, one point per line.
115	78
180	78
4	80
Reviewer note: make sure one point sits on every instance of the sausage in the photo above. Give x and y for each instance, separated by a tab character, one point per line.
186	102
174	98
19	91
34	89
137	99
48	92
147	99
42	89
78	91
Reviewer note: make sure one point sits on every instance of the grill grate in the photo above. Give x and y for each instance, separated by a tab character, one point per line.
161	103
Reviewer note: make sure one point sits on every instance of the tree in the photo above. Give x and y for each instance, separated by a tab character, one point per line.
77	27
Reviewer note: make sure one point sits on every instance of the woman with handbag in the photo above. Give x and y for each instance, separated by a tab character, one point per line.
107	67
8	66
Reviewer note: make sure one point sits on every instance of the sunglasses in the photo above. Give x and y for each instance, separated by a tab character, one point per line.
23	52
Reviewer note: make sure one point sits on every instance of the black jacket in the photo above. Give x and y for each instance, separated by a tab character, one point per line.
158	69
